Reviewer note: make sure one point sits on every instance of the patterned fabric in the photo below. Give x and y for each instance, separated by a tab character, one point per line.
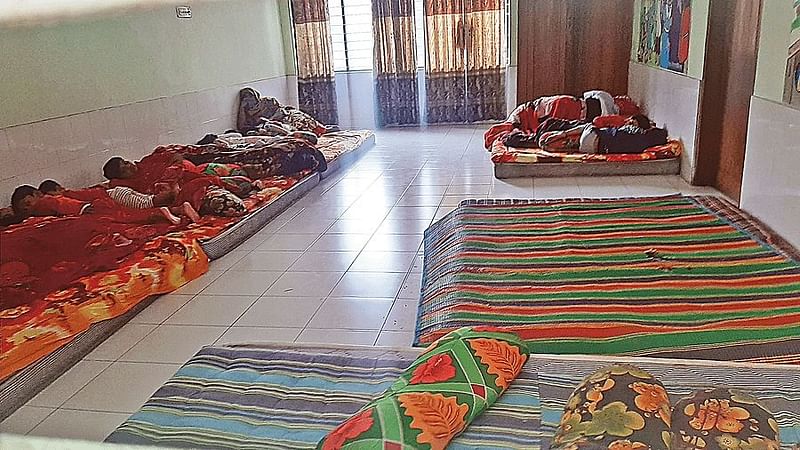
221	202
617	408
37	328
438	396
285	156
316	87
257	113
723	418
289	396
666	276
338	143
395	63
468	40
624	407
501	154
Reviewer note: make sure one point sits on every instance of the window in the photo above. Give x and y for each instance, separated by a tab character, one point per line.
351	30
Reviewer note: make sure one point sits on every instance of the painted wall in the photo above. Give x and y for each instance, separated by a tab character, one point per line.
770	186
85	65
672	99
81	91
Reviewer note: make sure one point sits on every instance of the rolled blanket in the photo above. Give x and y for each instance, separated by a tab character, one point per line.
438	396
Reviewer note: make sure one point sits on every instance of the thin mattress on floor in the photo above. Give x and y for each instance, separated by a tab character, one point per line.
501	154
674	276
168	260
289	396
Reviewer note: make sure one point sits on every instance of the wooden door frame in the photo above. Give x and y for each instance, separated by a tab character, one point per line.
716	86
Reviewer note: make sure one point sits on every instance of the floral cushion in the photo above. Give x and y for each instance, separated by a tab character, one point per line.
625	408
445	389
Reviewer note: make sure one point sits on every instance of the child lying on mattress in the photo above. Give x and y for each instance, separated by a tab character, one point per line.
53	200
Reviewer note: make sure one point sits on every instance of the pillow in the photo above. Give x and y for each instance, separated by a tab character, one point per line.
455	380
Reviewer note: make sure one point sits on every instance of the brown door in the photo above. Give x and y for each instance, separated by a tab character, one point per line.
728	81
572	46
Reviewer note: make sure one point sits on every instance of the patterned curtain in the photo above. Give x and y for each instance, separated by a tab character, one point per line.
316	88
445	69
396	92
486	81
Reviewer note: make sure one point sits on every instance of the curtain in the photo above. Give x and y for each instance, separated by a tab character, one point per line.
445	70
486	81
316	87
396	92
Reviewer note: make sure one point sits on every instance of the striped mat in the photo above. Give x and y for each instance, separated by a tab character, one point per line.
279	397
275	396
674	276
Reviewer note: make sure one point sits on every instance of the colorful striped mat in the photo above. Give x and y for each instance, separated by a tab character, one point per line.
279	397
674	276
275	396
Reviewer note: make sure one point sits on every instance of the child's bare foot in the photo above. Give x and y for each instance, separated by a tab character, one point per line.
190	212
172	218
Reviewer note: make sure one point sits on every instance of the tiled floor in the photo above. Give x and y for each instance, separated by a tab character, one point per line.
340	266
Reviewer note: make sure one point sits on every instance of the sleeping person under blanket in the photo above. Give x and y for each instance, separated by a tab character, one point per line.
636	135
27	201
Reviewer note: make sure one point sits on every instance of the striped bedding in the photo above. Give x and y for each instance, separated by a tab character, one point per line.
275	396
279	397
674	276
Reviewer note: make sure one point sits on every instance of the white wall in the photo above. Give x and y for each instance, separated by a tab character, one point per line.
673	101
86	89
770	186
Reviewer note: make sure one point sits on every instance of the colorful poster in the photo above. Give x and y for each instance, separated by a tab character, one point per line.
664	33
791	92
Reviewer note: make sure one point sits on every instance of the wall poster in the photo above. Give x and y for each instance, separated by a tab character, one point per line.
664	33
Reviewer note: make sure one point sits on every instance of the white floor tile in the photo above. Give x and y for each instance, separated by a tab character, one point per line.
227	261
342	337
83	425
198	284
324	262
394	243
123	387
331	242
392	226
120	342
242	283
395	339
221	310
369	285
288	242
161	308
285	312
304	284
24	419
383	261
172	343
351	313
410	290
267	261
403	316
246	335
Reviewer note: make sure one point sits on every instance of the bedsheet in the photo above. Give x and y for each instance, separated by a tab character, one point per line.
280	396
34	328
502	154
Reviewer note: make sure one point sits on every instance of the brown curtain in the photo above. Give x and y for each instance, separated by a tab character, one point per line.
396	92
316	87
444	69
486	81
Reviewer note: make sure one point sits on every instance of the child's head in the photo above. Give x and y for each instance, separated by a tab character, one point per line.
119	168
51	187
23	199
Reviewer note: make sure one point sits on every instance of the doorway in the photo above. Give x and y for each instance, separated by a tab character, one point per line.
728	83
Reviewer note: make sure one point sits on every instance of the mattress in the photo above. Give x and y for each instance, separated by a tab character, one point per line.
673	276
280	396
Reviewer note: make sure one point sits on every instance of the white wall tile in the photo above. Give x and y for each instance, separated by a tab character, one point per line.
672	100
770	184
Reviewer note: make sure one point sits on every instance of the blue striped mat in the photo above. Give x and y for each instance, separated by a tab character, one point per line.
289	397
